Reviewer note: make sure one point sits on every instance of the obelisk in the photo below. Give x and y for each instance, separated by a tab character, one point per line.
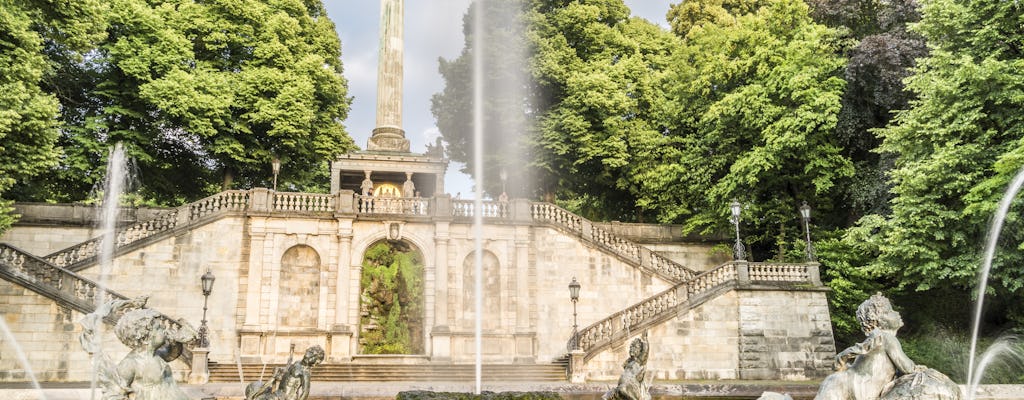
388	134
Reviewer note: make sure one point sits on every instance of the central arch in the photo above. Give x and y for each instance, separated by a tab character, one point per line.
391	305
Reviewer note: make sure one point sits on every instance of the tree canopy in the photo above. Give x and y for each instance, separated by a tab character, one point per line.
202	95
34	35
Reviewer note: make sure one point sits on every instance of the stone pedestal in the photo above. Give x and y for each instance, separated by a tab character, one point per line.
577	374
441	344
200	372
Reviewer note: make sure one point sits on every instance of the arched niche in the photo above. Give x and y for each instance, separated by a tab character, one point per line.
299	288
391	301
491	290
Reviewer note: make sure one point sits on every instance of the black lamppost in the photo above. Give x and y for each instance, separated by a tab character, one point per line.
738	252
275	164
574	294
207	282
805	214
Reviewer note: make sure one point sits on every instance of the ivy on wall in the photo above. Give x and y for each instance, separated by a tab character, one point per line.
391	306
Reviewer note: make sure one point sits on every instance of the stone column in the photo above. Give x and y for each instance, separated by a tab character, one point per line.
341	330
388	135
440	333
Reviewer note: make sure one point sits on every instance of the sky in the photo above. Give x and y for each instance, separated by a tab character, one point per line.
433	28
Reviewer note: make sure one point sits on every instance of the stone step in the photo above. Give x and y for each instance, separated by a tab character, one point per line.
554	372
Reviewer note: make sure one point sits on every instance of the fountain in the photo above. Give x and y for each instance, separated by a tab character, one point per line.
20	354
974	373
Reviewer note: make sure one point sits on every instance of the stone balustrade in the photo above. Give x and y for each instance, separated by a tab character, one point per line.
261	200
490	209
691	293
65	287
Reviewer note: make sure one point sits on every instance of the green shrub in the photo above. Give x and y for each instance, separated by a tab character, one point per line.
948	353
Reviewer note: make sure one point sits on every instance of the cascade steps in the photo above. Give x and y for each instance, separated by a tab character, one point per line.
553	372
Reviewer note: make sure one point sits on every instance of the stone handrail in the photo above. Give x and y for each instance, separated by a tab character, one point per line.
665	266
626	250
232	200
392	205
60	285
303	202
557	215
491	209
90	249
692	293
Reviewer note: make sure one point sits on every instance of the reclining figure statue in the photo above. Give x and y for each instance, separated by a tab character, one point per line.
877	368
290	382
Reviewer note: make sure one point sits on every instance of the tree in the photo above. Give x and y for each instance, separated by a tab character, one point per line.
32	35
509	97
203	95
588	105
881	55
955	149
755	102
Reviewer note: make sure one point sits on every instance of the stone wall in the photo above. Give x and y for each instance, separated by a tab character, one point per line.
759	334
784	335
293	279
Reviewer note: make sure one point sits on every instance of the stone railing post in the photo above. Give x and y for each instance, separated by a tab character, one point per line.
442	206
645	257
742	273
587	230
261	199
519	210
344	202
814	273
576	363
184	216
200	369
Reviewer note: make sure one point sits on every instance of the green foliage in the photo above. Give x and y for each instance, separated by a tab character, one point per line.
755	102
955	150
203	95
588	101
948	352
391	300
33	34
485	395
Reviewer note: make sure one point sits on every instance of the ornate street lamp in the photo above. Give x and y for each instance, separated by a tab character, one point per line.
275	164
738	251
207	282
574	294
805	214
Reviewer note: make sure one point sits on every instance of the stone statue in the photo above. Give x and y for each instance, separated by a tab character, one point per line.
143	374
877	368
288	383
635	382
366	187
408	188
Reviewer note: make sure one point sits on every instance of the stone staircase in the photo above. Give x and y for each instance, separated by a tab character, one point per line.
618	327
188	216
209	209
553	372
64	287
54	277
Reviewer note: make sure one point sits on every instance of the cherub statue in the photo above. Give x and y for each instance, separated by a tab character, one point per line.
143	374
288	383
869	370
635	382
